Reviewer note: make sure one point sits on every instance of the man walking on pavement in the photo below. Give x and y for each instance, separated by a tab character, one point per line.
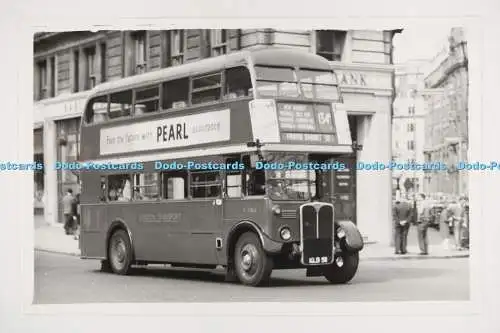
401	215
423	218
68	217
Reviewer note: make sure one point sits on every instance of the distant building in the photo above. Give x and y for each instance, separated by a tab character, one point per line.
447	120
67	65
408	124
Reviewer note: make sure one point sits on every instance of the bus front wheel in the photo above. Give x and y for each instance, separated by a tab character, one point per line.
252	265
342	271
120	252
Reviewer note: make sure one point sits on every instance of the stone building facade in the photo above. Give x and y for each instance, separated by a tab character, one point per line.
408	128
447	120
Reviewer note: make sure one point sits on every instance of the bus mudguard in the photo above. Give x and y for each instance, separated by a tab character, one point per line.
267	243
353	241
120	224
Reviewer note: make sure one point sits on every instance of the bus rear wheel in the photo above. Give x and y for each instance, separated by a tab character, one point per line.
343	269
252	264
120	252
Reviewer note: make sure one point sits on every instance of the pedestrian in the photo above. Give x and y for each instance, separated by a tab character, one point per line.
401	215
455	216
423	220
444	226
465	219
67	201
75	212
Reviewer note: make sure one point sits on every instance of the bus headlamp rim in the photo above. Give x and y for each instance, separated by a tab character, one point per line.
285	233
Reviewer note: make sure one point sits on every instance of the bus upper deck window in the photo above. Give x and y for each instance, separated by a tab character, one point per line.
121	104
206	88
175	94
147	100
238	83
97	110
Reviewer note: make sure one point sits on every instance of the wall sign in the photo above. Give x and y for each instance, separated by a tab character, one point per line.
351	78
166	133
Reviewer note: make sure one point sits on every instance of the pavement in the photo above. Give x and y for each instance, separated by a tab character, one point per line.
49	238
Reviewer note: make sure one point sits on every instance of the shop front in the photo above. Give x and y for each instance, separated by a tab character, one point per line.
60	135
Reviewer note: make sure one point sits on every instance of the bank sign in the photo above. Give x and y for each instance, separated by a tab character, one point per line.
166	133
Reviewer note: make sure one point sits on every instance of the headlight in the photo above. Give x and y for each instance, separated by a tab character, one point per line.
276	209
285	233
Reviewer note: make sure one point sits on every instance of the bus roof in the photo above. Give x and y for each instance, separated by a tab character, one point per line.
270	56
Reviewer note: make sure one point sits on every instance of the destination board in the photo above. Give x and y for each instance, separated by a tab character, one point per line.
297	118
306	123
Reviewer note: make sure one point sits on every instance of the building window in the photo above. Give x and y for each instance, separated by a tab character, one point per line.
104	64
42	79
411	110
330	44
68	142
411	145
218	42
76	71
176	47
52	67
411	127
90	76
140	55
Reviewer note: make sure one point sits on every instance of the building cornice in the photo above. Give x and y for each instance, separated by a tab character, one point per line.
75	44
337	65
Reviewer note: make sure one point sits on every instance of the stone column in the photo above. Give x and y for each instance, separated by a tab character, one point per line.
50	178
373	188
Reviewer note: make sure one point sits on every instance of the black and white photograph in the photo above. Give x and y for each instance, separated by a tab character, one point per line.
188	165
249	166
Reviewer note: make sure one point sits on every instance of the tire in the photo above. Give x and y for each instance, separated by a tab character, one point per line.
120	252
344	274
252	265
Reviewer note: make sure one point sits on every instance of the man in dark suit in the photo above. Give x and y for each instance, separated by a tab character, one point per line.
401	215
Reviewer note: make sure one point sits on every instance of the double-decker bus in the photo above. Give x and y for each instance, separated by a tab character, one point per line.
227	161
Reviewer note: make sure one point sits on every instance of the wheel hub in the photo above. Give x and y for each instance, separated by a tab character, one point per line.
120	251
248	258
246	261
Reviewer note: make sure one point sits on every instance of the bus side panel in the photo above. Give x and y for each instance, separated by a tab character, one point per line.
159	230
237	210
93	231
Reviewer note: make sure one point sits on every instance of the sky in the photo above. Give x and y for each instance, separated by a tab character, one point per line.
420	42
